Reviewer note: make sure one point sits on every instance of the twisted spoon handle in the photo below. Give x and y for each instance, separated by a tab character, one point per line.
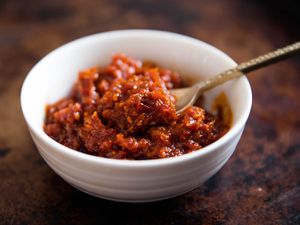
269	58
246	67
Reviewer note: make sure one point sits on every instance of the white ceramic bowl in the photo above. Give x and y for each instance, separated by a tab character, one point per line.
129	180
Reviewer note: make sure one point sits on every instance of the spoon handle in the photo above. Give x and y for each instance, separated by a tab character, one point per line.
269	58
251	65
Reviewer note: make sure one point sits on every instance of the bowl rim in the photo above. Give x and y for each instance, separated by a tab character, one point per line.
146	163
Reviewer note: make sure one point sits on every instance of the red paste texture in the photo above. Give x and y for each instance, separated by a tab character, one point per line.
125	111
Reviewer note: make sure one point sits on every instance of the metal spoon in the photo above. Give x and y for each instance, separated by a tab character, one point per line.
186	97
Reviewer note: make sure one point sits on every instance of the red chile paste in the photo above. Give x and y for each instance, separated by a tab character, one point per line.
125	111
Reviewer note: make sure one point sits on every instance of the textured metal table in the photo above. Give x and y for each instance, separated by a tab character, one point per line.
259	185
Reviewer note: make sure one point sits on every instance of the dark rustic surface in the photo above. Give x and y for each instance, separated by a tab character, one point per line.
259	185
